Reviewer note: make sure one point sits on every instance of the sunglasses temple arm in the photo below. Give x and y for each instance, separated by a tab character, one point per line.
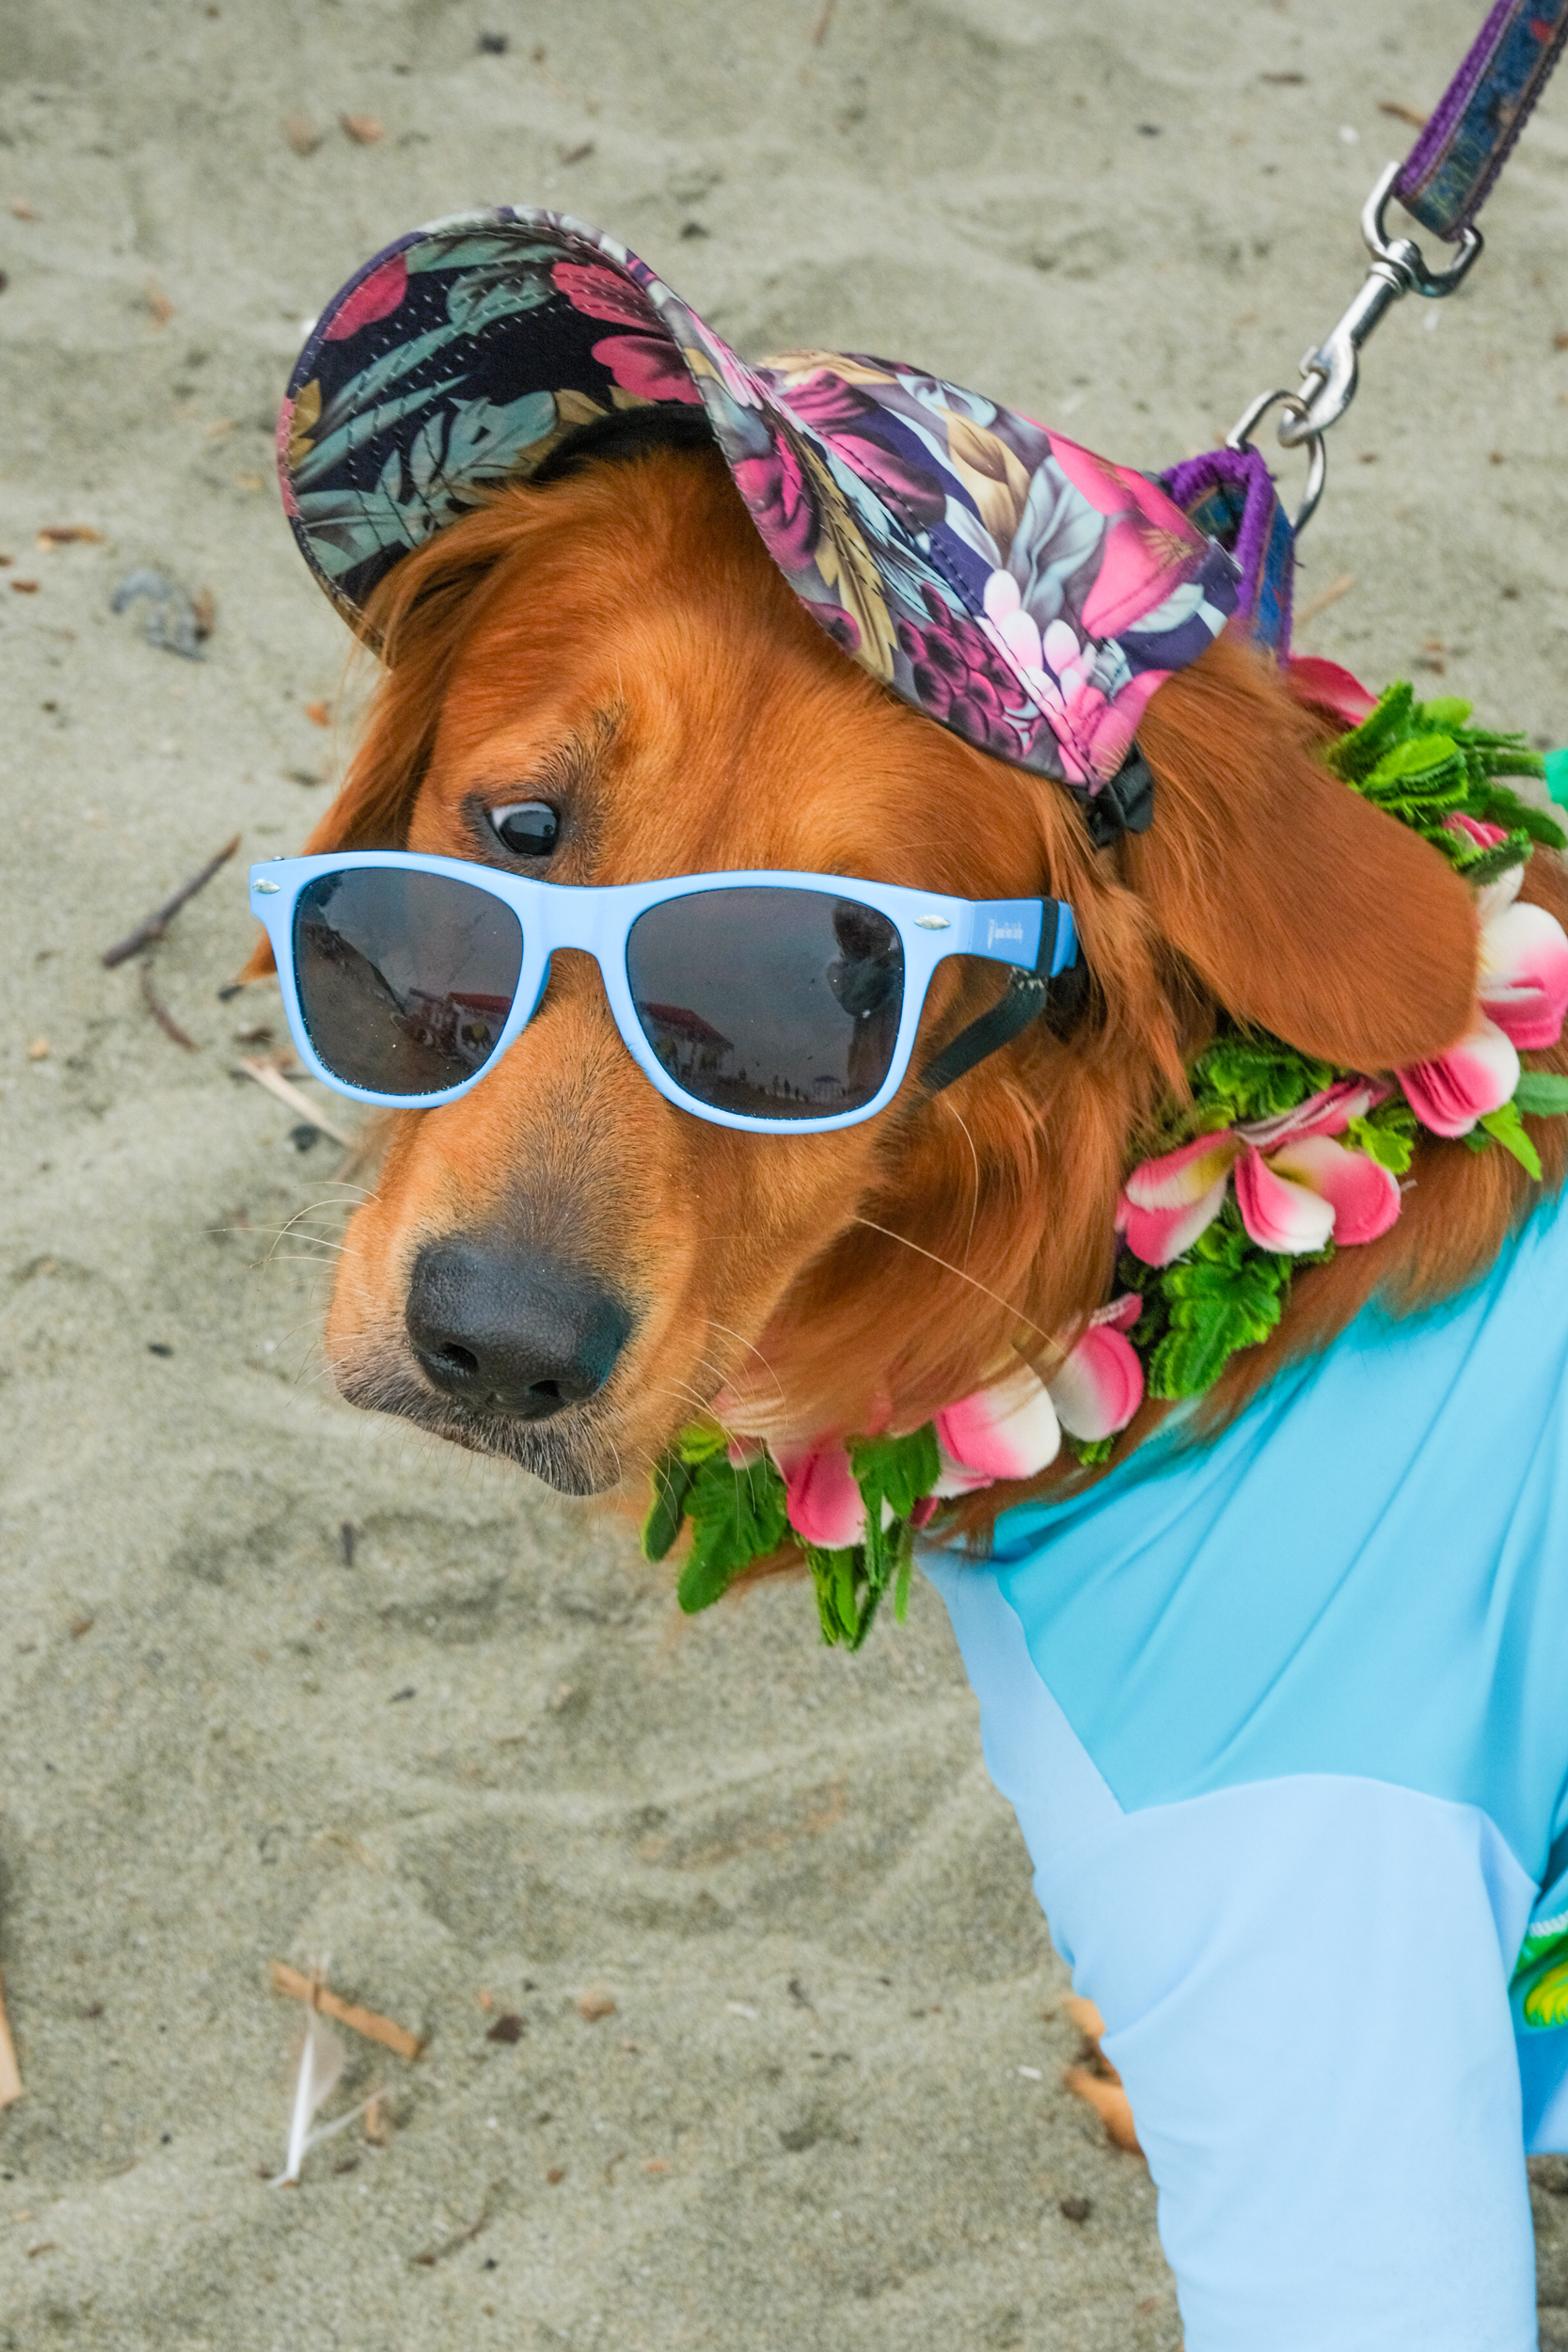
1028	994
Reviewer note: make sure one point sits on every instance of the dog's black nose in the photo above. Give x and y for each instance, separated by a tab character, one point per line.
510	1333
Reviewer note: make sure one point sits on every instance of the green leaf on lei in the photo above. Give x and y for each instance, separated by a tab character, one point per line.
1226	1293
1387	1135
847	1601
700	1441
901	1589
900	1471
1497	805
1541	1095
1355	754
1507	1128
673	1482
1249	1076
1543	1957
737	1516
1423	762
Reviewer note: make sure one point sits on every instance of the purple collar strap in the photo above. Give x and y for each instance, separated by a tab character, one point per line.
1005	581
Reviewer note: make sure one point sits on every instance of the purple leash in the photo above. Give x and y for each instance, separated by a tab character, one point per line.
1447	174
1442	184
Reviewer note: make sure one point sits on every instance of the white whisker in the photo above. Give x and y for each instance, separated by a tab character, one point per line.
948	1267
754	1350
955	1113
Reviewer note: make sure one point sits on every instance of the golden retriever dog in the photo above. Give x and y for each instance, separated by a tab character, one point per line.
1274	1692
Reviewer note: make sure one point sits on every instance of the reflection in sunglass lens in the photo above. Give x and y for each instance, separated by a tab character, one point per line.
770	1002
404	979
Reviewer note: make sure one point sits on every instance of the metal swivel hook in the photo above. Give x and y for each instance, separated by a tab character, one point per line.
1329	371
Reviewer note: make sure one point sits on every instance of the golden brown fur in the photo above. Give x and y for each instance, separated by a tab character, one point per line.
620	643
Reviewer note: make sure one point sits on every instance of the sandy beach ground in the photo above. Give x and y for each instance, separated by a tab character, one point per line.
471	1753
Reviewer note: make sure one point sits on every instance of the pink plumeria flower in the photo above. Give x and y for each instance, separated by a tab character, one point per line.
1100	1386
1008	1431
822	1501
1014	1429
1523	998
1324	686
1524	964
1295	1186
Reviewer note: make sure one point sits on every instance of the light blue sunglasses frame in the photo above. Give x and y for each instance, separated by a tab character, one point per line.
598	920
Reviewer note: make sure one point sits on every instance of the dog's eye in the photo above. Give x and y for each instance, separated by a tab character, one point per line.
527	828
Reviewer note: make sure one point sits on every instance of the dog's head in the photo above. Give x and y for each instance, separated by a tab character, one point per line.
561	1267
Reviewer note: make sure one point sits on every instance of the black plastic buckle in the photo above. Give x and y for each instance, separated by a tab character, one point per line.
1124	803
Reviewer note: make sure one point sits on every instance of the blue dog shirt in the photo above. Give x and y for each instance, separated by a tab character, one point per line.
1285	1723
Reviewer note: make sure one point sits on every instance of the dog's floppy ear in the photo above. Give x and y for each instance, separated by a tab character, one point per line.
1302	907
416	620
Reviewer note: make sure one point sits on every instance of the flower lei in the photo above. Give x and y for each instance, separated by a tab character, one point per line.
1274	1161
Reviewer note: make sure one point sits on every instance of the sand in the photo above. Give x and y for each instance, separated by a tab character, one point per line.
483	1760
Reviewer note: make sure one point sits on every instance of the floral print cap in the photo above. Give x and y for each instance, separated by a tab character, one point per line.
1006	583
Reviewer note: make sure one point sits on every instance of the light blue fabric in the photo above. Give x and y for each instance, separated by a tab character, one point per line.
1367	1573
1285	1720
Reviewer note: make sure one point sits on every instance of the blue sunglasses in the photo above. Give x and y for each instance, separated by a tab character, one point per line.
759	1000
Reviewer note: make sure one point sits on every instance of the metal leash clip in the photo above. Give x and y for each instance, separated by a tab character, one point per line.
1329	371
1295	404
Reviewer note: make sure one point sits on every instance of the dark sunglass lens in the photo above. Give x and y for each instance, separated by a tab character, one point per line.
405	978
772	1003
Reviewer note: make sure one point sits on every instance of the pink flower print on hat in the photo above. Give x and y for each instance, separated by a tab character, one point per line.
780	502
601	293
1058	670
376	297
646	366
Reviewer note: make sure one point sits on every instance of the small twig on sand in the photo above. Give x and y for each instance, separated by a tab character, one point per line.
147	935
1403	112
11	2084
820	29
300	1987
266	1075
1324	597
162	1014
